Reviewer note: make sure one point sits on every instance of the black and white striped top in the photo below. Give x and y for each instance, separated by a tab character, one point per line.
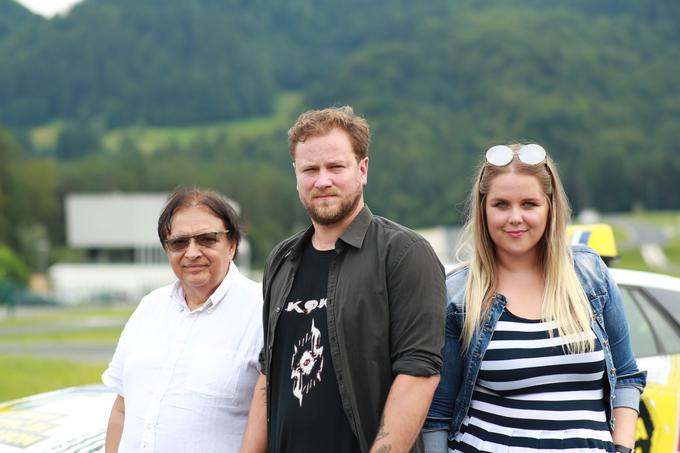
531	395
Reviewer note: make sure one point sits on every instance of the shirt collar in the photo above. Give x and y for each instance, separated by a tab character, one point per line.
215	298
354	234
356	231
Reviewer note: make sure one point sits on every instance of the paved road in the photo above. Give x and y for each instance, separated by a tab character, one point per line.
648	238
80	351
639	232
77	351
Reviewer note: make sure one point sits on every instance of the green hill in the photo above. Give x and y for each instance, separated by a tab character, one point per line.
14	17
129	95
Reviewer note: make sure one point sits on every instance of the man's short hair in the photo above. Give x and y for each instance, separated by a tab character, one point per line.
314	123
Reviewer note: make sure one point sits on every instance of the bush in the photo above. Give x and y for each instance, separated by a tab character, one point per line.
12	269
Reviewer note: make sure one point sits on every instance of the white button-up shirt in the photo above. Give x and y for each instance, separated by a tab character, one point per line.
188	376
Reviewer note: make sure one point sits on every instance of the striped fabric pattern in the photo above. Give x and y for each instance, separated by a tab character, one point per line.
532	396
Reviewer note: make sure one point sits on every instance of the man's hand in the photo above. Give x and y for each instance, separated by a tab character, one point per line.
114	430
404	413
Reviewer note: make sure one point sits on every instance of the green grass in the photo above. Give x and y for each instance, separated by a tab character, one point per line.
672	249
45	137
632	259
150	139
94	335
621	236
23	376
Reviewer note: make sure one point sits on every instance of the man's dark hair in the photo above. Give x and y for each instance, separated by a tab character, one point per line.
186	196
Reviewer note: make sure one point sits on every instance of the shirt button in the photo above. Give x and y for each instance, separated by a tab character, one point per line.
278	309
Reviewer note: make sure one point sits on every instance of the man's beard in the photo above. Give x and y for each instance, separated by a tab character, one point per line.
329	216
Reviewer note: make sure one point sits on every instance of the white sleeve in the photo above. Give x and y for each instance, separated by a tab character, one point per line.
113	376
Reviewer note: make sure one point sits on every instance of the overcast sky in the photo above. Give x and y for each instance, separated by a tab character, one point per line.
48	8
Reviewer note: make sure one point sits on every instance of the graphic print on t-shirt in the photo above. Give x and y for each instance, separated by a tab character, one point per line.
302	373
307	363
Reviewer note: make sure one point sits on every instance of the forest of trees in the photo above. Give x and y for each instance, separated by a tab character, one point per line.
439	81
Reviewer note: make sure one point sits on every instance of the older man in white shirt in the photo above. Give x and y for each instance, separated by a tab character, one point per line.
186	362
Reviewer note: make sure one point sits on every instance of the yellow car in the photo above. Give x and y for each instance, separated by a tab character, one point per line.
652	304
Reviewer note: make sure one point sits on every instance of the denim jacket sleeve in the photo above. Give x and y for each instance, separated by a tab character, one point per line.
441	410
630	381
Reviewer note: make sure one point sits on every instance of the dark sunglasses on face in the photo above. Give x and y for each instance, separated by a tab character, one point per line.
207	240
501	155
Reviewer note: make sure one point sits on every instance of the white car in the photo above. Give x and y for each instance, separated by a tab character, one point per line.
63	421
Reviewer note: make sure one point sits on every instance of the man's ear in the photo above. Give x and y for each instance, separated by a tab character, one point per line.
363	168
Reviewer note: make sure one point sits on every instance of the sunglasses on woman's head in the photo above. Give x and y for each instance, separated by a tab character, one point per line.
207	240
501	155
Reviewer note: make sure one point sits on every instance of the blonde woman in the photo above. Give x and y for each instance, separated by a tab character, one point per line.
537	354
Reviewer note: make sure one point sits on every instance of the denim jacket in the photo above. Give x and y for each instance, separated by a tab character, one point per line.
459	372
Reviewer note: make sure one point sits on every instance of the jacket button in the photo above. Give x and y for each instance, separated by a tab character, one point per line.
613	370
606	342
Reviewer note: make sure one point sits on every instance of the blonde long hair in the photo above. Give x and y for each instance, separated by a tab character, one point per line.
564	300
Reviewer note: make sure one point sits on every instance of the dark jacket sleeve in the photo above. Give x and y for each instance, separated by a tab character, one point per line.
417	298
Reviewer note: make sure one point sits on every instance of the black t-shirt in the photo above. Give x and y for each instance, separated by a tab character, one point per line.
306	413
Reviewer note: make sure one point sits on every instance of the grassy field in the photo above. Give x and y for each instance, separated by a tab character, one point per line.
149	139
24	375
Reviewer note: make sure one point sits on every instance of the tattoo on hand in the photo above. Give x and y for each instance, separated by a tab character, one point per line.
381	432
384	449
